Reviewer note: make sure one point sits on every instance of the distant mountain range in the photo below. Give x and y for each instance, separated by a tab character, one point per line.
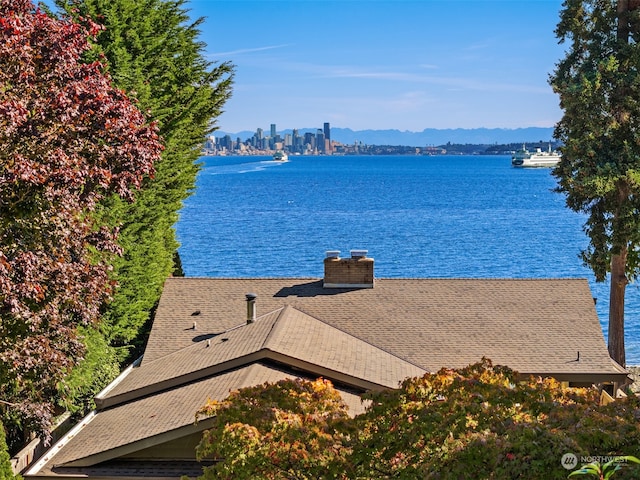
427	137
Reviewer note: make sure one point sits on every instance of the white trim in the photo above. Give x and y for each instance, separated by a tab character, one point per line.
50	453
60	444
117	380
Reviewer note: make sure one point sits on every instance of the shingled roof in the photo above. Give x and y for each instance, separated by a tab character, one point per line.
286	336
201	346
535	326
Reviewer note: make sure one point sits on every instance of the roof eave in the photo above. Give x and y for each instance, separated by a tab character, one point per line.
142	444
178	381
594	378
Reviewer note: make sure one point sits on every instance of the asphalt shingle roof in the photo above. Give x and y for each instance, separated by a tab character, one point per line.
141	420
201	346
535	326
287	335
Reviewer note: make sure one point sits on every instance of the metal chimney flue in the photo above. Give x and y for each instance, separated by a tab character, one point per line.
251	307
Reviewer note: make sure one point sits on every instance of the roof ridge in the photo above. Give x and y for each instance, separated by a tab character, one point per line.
276	321
164	381
308	277
213	334
377	347
269	313
181	279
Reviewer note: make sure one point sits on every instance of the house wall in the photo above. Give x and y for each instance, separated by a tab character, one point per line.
179	449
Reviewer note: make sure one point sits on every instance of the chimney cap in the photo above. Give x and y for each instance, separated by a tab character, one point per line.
359	253
251	296
333	254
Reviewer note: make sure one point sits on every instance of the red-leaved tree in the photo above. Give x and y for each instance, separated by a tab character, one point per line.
68	138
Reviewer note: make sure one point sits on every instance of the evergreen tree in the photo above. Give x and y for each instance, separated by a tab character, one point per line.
152	50
68	139
599	87
98	368
6	472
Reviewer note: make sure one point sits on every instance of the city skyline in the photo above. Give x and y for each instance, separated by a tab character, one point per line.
309	142
320	141
381	64
428	137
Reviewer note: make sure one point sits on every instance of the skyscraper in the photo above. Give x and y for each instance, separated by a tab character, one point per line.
310	140
327	131
273	130
320	141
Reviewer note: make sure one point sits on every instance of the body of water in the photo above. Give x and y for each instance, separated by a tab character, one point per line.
418	216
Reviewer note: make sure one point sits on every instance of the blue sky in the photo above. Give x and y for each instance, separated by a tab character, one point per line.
385	64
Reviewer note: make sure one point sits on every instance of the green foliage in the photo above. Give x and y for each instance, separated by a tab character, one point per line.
598	83
68	140
98	368
486	420
605	471
152	50
292	429
599	87
6	473
481	422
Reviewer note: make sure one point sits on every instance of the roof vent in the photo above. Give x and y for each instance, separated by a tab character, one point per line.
251	307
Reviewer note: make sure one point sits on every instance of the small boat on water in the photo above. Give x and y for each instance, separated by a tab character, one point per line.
280	156
526	159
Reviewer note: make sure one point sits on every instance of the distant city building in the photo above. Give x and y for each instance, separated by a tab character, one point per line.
320	140
296	142
210	144
310	140
257	141
226	142
308	143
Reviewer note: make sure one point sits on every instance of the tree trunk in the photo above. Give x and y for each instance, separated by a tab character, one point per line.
616	306
623	20
619	261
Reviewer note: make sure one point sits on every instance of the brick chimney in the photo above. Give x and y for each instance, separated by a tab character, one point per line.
354	272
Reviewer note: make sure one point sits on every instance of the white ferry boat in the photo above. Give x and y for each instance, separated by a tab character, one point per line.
526	159
280	156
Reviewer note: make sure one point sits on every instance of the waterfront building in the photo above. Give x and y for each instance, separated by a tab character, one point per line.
214	335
